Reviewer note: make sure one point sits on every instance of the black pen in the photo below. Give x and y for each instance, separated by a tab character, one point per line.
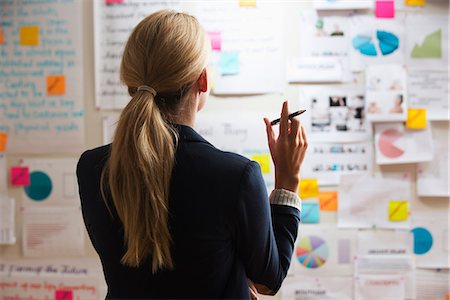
293	115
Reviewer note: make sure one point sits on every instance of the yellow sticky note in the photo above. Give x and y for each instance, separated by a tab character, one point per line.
415	2
328	201
264	161
417	118
398	210
29	35
2	36
3	141
247	3
309	188
56	85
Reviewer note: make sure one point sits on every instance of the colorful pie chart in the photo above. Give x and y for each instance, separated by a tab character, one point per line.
312	252
423	240
387	43
386	143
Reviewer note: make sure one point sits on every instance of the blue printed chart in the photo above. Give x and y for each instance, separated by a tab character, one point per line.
312	252
385	44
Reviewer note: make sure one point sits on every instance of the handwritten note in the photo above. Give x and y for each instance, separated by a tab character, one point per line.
229	63
264	162
417	118
216	40
29	35
51	46
385	8
20	176
310	213
3	141
415	2
309	188
63	295
398	211
328	201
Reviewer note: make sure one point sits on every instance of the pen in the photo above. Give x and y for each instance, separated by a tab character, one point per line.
294	114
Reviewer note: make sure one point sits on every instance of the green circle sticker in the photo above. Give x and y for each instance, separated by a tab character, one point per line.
40	186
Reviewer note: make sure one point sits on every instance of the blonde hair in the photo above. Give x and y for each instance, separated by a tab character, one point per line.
167	51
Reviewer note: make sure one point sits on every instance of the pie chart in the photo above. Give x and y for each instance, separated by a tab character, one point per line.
312	252
386	143
423	240
387	43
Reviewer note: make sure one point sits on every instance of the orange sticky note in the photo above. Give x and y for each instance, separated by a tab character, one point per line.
247	3
328	201
2	36
264	161
56	85
417	118
3	141
415	2
398	210
448	297
309	188
29	35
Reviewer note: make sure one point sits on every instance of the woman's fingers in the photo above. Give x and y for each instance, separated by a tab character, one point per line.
304	138
295	124
284	120
270	132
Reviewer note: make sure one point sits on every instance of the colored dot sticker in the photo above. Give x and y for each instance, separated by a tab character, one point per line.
423	240
40	186
264	162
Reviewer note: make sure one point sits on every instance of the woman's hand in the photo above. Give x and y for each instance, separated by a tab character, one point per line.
287	150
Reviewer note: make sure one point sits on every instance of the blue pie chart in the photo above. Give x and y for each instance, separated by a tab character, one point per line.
40	186
387	42
423	240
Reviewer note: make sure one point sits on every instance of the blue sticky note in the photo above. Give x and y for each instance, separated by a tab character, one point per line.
229	63
310	213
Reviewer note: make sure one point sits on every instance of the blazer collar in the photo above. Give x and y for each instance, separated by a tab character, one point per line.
188	134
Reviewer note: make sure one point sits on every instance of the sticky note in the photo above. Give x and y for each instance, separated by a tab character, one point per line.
56	85
398	210
310	213
264	162
247	3
415	2
417	118
448	297
328	201
63	295
29	35
229	63
2	36
309	188
113	1
384	9
20	176
216	40
3	141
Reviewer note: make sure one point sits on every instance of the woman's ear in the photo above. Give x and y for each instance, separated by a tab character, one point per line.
202	81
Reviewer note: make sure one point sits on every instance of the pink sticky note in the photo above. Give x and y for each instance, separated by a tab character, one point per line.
20	176
384	9
63	295
113	1
216	40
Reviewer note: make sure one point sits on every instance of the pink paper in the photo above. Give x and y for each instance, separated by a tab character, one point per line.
63	295
20	176
216	40
384	9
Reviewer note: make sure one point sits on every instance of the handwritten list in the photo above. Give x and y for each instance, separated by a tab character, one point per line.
41	88
114	21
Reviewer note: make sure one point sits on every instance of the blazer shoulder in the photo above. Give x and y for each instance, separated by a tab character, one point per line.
93	157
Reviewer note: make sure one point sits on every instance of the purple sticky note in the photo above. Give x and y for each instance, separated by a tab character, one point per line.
384	9
20	176
216	40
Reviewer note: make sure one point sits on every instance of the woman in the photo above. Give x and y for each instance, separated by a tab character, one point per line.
170	215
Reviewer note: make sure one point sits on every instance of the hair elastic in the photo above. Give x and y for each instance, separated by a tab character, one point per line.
147	88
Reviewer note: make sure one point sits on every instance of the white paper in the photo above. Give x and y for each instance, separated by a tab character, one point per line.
318	69
430	231
386	266
342	4
252	34
53	181
376	41
395	144
429	89
109	128
364	200
323	250
3	176
385	242
317	288
386	93
7	220
52	231
327	162
379	287
432	284
334	114
427	41
113	24
35	120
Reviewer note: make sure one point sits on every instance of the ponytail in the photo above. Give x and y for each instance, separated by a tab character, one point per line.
139	172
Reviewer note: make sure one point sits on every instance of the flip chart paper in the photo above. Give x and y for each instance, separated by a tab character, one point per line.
29	35
20	176
384	9
398	211
309	188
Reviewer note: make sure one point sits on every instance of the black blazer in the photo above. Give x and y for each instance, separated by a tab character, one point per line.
224	230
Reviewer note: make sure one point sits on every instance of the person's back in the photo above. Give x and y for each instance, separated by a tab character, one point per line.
170	215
